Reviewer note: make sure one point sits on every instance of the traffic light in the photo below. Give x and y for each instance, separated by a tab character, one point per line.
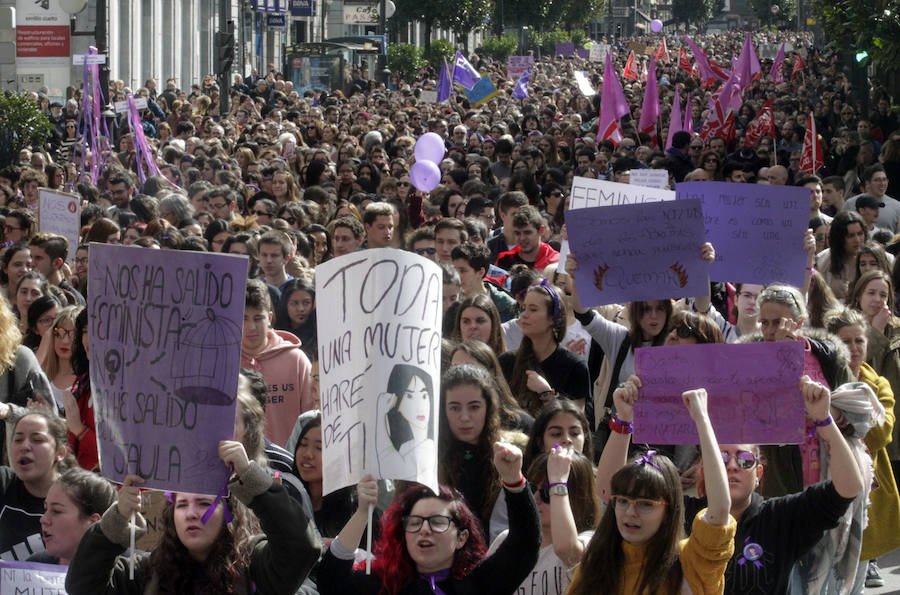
224	53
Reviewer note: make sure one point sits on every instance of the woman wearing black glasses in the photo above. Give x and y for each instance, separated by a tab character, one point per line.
432	543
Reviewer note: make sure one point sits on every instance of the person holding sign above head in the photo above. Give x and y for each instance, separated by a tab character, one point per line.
37	454
771	534
74	502
638	546
208	544
432	542
278	357
542	369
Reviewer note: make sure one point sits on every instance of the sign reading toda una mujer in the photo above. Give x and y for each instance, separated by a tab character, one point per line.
165	340
379	366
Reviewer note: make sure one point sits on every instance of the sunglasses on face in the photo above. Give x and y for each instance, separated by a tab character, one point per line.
424	251
685	331
742	458
542	492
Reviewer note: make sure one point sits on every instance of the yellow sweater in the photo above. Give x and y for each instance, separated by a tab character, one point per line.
704	556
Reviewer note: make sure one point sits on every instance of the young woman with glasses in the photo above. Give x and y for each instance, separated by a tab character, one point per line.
771	534
432	542
55	353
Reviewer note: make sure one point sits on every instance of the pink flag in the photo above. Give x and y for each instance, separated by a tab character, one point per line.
747	67
643	72
613	104
707	74
650	108
688	116
777	72
674	119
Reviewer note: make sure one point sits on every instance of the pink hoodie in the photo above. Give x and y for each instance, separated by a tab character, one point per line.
286	371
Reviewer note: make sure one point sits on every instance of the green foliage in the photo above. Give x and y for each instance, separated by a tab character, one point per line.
698	12
440	50
856	25
22	124
786	16
500	48
459	16
405	60
552	14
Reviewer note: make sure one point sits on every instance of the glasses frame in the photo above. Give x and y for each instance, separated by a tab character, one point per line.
742	463
422	519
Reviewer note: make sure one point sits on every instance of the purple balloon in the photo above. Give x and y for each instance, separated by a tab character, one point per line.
656	25
425	175
430	147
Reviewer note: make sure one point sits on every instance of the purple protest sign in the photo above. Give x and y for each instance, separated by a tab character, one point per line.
757	230
648	251
565	49
165	339
583	54
754	392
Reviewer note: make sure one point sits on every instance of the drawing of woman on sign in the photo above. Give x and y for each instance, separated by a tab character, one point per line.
404	440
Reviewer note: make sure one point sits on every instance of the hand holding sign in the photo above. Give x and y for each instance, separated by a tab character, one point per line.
130	496
234	456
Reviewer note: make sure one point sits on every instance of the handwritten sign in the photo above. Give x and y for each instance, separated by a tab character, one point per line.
565	49
379	366
516	66
638	252
60	214
753	388
757	230
651	178
80	59
27	578
598	52
165	336
588	192
122	106
584	84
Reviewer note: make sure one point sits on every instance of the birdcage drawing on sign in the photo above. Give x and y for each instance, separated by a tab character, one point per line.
207	352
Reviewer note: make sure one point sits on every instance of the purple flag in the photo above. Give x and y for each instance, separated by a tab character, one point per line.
777	72
747	63
464	73
650	108
675	119
706	71
443	86
729	95
521	90
612	104
688	116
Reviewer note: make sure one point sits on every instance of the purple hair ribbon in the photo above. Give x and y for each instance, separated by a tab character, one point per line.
648	459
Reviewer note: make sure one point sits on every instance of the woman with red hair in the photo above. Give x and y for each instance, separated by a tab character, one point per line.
432	543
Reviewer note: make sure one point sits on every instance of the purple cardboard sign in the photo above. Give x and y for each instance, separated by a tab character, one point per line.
565	49
165	339
648	251
757	230
583	54
753	388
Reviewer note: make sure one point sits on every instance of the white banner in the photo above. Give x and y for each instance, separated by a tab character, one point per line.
584	84
27	578
379	366
651	178
60	214
588	192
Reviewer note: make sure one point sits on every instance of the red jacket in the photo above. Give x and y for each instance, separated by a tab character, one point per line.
546	255
85	450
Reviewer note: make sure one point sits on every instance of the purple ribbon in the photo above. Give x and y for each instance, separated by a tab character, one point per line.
142	149
553	296
752	552
223	493
648	458
434	577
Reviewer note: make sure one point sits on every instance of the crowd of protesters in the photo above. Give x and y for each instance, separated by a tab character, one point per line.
542	491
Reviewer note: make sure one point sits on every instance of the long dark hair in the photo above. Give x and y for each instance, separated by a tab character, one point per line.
484	303
526	359
399	380
603	564
535	444
837	237
393	564
451	455
511	414
224	567
79	360
635	312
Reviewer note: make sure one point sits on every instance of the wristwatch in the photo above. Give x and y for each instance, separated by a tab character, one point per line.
559	490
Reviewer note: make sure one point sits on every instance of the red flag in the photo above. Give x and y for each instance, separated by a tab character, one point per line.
762	125
811	159
643	72
684	62
720	122
720	70
662	52
798	67
630	68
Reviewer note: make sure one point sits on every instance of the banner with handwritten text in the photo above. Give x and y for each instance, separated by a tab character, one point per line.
60	214
165	337
638	252
757	230
32	578
753	388
379	366
588	192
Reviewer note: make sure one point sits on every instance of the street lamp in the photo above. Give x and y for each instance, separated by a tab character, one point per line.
73	7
